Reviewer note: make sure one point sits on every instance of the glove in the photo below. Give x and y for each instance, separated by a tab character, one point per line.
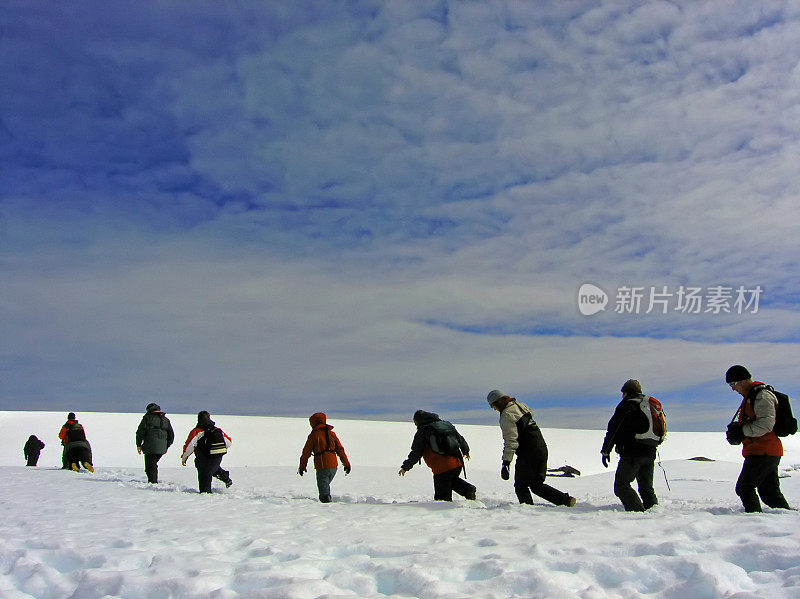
301	471
347	469
605	458
183	461
139	449
734	434
504	471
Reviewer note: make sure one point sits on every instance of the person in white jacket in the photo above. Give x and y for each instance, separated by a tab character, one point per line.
522	437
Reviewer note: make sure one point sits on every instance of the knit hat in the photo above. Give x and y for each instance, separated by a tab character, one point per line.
71	416
737	373
494	396
153	407
631	387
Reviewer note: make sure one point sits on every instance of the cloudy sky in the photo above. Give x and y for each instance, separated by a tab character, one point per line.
371	207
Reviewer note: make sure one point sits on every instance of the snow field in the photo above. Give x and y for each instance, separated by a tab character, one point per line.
83	536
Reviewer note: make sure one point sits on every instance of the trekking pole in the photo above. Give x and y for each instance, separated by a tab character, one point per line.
660	465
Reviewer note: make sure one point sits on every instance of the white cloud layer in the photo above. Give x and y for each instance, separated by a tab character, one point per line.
379	206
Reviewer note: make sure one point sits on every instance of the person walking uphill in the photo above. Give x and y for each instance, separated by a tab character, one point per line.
761	447
208	443
153	438
32	449
442	447
324	445
522	436
637	454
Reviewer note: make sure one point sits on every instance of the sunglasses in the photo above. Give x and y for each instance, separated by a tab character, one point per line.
734	384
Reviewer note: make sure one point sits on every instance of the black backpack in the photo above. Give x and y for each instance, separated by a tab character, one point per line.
443	438
213	442
785	422
75	432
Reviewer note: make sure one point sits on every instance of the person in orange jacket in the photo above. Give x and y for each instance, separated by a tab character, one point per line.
62	435
323	443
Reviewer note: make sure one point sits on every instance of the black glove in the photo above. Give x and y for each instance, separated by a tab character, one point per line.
504	471
734	434
300	471
606	458
347	469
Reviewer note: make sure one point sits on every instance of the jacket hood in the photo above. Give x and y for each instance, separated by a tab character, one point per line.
317	419
421	417
204	421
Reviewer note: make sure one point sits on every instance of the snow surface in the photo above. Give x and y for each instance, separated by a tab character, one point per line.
110	534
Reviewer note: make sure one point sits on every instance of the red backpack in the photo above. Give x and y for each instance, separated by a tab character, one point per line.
657	421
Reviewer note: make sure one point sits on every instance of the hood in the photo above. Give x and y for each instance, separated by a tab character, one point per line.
318	419
205	422
421	417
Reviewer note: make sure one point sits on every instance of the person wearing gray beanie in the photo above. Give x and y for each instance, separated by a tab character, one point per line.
523	438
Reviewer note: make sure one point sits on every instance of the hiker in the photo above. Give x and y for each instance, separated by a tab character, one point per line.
32	449
522	436
761	447
324	445
208	443
443	453
153	438
636	456
61	435
77	450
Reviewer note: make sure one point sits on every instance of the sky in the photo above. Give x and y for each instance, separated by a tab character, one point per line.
368	207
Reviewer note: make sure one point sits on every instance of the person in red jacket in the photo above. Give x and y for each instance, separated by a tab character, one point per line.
324	445
761	447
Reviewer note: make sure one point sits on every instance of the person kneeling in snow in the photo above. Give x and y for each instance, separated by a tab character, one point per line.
446	462
77	450
209	444
323	443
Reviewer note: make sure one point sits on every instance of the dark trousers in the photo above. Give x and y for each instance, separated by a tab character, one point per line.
64	462
33	458
445	483
208	468
151	466
324	479
640	469
79	455
760	472
529	475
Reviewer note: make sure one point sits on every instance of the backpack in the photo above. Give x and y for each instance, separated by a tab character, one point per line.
785	422
213	442
75	432
443	438
656	420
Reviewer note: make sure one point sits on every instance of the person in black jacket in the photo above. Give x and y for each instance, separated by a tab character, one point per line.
208	443
447	466
32	450
636	459
153	438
